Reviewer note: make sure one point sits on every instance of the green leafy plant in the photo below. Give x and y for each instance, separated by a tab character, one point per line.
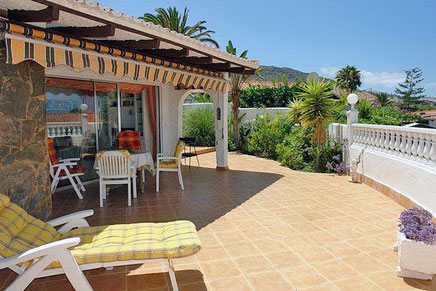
348	78
266	133
317	110
174	20
364	107
383	99
199	124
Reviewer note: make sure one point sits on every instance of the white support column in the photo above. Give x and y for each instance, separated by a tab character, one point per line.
221	129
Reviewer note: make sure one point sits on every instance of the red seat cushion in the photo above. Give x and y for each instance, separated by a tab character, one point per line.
129	140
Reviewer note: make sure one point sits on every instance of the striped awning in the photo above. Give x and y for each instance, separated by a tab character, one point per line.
51	50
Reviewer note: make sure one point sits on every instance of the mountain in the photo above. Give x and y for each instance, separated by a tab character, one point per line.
270	72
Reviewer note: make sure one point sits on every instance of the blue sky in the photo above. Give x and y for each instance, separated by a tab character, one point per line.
381	38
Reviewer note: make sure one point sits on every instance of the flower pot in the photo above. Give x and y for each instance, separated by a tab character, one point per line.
417	260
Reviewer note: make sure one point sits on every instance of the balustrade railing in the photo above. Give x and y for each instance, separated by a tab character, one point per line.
414	143
57	130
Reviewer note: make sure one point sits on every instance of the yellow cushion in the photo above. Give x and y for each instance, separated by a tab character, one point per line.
179	150
20	231
136	241
168	164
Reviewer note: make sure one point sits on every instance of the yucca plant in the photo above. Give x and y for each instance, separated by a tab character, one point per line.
172	19
383	99
199	124
317	110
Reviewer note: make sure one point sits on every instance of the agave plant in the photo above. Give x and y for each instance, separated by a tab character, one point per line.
172	19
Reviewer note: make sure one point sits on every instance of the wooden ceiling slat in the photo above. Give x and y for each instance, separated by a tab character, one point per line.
134	44
92	31
48	14
195	60
167	53
219	66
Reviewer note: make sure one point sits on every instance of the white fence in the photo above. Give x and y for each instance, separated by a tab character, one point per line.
401	158
412	143
250	113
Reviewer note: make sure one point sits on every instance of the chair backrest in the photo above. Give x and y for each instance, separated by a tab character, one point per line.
129	140
179	150
113	164
54	160
19	231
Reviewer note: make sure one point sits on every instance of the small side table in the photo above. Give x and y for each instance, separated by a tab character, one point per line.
190	142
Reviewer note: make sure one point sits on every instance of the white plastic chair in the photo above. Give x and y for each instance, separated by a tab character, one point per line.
170	164
66	169
116	168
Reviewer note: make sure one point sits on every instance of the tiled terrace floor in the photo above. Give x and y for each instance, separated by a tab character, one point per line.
263	227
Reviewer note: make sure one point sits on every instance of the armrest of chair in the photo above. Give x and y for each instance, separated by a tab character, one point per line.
65	164
72	220
69	160
47	249
167	158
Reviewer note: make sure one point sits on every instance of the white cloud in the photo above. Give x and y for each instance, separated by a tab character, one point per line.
377	79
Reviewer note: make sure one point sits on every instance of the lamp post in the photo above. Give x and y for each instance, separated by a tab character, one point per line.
352	117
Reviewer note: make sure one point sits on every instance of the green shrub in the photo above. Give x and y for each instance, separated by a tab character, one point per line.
199	124
268	96
295	151
266	133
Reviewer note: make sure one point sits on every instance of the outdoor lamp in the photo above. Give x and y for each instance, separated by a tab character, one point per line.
352	100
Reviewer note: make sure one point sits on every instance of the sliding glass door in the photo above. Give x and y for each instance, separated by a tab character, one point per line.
107	115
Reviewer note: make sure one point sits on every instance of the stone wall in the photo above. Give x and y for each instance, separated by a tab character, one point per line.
24	175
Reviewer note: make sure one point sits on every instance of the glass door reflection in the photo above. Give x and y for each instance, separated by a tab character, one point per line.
107	115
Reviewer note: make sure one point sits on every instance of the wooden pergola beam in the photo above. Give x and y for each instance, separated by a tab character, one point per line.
195	60
134	44
91	31
219	66
167	53
48	14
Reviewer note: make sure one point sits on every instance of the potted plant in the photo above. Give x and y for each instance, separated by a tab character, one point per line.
416	244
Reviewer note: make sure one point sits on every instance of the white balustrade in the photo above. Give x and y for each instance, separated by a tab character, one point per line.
57	129
415	143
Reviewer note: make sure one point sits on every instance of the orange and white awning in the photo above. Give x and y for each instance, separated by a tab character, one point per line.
51	50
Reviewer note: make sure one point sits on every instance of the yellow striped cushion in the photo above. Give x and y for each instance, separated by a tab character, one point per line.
179	149
20	231
168	164
136	241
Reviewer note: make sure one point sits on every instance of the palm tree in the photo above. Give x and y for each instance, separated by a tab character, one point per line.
236	82
383	99
317	110
172	19
348	78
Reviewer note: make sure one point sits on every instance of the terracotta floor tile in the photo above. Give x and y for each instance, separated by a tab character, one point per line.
229	237
303	276
241	249
284	259
358	283
229	284
341	249
253	264
268	245
271	220
219	269
335	270
313	253
269	281
364	263
212	253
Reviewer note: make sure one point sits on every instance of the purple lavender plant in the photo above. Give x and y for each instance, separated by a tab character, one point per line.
416	224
